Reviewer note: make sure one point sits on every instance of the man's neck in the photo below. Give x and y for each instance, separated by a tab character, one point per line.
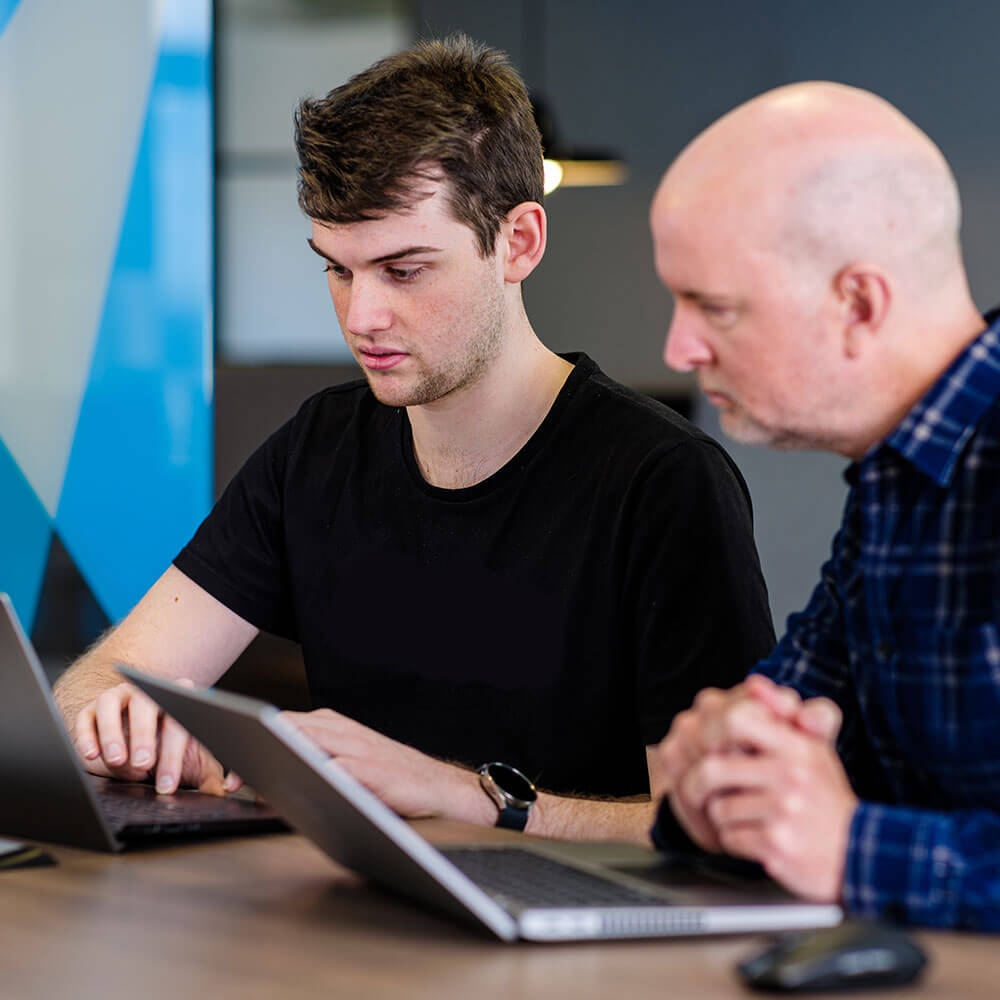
467	436
913	372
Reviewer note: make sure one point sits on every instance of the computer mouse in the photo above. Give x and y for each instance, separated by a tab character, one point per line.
853	955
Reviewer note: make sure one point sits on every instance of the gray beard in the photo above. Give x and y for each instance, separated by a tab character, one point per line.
750	432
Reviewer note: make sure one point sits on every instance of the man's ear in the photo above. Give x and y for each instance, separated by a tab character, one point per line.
864	297
523	235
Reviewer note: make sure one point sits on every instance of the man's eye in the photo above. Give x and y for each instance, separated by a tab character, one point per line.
337	270
403	273
718	313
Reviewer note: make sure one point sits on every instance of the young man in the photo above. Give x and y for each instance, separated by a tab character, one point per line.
811	242
488	552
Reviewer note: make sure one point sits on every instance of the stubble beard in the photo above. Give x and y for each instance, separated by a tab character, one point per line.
457	373
741	427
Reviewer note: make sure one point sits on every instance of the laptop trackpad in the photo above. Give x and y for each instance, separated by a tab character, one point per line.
704	879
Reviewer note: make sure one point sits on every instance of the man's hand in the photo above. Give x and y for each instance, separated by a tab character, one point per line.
123	734
753	771
408	781
418	786
722	722
787	804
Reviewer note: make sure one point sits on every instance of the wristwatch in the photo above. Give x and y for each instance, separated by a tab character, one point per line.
512	793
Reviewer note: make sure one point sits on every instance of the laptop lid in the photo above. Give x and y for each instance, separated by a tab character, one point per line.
46	793
359	831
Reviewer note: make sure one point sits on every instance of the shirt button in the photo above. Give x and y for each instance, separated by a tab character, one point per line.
883	651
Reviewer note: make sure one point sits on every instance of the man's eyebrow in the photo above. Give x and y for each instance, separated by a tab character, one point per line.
316	249
715	298
408	252
395	255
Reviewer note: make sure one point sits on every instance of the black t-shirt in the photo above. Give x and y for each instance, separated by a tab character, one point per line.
555	616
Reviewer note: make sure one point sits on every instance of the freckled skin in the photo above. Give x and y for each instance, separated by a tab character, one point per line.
444	310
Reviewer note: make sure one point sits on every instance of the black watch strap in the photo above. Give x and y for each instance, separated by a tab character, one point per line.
512	818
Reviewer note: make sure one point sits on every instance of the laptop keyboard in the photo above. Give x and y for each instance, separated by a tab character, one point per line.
121	812
516	877
137	809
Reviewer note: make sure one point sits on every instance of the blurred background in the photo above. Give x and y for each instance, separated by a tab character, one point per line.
160	312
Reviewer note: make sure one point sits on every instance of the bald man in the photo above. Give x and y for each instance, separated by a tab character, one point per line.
810	241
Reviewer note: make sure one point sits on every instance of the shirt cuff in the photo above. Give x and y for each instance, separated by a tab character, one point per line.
901	866
668	835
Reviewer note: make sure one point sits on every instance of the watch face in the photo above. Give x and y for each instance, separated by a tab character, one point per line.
515	784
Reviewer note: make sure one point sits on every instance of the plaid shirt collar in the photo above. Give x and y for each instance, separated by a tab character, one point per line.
933	434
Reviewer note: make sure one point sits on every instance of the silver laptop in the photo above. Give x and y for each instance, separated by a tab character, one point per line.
540	891
45	794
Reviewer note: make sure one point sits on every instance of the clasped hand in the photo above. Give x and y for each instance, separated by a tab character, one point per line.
753	771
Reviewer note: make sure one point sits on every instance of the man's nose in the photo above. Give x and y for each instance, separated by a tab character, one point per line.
684	349
367	309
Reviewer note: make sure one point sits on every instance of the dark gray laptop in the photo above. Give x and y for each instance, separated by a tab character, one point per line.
541	891
45	794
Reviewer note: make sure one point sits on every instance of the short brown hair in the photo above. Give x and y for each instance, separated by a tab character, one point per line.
451	110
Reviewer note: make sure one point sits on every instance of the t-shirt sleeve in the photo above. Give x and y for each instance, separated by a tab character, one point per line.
238	554
695	587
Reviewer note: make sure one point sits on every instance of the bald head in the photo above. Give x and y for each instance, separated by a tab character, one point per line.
810	240
827	175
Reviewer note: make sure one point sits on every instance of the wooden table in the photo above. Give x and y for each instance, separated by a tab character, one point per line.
272	917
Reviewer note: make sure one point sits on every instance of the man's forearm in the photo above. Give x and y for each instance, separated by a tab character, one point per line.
176	630
592	819
85	679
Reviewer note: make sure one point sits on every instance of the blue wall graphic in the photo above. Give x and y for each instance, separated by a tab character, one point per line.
25	535
137	471
7	8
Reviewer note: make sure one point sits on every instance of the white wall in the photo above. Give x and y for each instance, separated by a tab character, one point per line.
273	303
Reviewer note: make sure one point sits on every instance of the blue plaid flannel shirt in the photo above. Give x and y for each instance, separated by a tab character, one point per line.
902	632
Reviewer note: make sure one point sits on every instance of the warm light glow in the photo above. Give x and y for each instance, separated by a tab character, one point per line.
593	173
553	175
583	173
